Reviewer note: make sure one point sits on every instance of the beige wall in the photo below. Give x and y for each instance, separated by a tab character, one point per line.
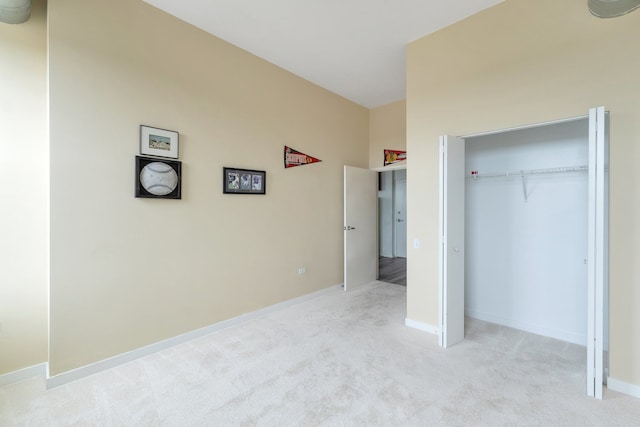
387	130
23	195
517	63
128	272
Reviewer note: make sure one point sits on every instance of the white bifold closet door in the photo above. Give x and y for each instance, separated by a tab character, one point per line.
452	174
452	224
598	248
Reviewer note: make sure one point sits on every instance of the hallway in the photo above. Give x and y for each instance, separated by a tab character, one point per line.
392	270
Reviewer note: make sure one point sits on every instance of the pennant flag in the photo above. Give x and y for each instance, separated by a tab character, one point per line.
392	156
294	158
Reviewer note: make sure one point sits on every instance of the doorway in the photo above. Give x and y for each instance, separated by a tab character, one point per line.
392	226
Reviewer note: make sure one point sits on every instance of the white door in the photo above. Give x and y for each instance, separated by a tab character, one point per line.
598	244
452	174
400	218
360	226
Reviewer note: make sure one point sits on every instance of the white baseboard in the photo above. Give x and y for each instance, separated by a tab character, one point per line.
622	387
39	370
120	359
528	327
421	326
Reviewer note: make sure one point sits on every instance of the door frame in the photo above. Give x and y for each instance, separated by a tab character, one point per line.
597	304
402	165
396	166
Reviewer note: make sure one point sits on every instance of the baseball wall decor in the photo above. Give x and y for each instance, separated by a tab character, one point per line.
158	179
243	181
158	142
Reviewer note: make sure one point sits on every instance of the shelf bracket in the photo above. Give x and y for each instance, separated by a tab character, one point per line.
524	186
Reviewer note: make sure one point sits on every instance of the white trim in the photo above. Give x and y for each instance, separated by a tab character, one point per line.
132	355
600	248
425	327
557	334
523	127
441	235
623	387
39	370
402	164
48	197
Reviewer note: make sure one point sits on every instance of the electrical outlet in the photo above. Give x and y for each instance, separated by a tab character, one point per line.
302	270
416	243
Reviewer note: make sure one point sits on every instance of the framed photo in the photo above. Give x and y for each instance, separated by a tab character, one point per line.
158	179
243	181
158	142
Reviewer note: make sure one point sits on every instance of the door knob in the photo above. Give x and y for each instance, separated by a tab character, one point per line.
400	220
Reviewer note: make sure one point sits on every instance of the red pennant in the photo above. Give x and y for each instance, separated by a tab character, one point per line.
392	156
294	158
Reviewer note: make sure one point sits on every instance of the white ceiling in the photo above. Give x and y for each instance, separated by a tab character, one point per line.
355	48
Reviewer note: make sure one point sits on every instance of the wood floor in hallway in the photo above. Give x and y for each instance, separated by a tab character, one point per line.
393	270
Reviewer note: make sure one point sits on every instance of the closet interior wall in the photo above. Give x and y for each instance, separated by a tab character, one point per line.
526	229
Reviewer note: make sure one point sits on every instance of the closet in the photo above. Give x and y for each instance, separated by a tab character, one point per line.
526	206
528	246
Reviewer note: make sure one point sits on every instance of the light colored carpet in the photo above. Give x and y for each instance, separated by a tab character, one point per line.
338	360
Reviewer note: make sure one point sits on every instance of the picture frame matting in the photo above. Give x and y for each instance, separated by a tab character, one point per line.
159	142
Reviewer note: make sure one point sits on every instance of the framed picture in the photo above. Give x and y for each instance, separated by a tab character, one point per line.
158	142
243	181
158	179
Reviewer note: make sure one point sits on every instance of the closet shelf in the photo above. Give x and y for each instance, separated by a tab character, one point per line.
522	173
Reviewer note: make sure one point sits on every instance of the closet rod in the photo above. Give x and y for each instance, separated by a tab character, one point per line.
521	173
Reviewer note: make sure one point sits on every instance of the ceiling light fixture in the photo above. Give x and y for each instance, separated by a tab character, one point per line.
612	8
15	11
